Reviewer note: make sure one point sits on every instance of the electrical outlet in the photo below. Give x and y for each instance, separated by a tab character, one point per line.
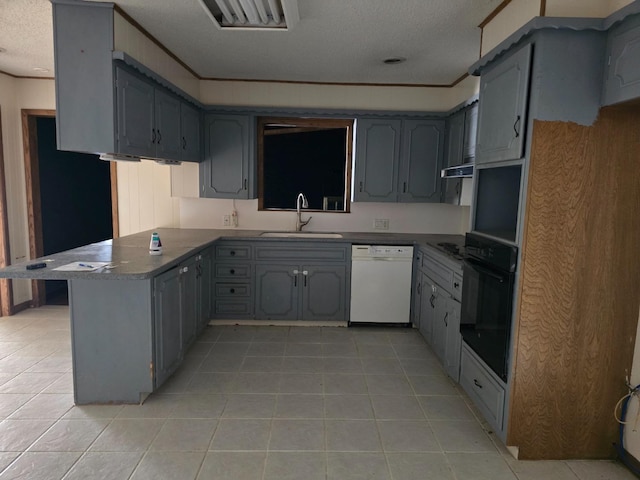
226	220
381	224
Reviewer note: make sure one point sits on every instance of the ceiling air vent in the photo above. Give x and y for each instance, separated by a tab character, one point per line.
275	15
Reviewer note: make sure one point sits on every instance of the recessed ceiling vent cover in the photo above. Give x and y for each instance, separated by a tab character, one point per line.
275	15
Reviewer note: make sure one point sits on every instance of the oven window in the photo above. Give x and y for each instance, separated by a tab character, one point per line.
486	314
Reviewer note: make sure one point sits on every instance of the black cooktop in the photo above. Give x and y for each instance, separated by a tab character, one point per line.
453	250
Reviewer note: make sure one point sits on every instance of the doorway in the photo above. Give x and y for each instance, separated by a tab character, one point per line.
70	198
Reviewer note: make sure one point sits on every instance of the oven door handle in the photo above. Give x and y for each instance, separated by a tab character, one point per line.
485	271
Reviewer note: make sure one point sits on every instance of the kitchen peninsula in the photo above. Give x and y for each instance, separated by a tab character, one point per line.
132	323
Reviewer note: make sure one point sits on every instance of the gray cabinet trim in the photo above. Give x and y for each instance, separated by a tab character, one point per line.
133	63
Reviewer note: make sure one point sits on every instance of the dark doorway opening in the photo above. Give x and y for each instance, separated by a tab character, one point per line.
75	201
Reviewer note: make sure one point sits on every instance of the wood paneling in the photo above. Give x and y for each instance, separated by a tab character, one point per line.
579	291
32	179
6	287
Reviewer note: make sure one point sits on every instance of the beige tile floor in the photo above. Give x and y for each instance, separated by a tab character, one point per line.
258	403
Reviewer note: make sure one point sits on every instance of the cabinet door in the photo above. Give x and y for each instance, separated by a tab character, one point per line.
502	114
416	289
136	122
167	126
470	134
453	340
439	329
168	331
622	80
205	288
427	308
189	301
421	161
377	157
190	127
277	292
225	169
455	139
323	292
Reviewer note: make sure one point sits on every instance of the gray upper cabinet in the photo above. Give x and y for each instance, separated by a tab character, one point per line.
377	159
398	160
421	161
502	114
191	141
106	102
227	169
455	139
470	133
167	133
135	113
148	119
622	74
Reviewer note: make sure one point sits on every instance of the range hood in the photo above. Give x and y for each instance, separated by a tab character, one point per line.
458	171
115	157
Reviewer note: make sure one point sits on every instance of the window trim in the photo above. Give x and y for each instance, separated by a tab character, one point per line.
347	123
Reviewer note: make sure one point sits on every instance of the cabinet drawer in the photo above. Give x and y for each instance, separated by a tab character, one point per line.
229	271
233	308
233	251
484	390
456	291
441	274
301	252
233	290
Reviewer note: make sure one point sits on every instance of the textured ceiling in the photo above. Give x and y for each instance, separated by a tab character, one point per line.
341	41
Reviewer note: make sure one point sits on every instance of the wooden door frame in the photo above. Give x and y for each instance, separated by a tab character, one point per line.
32	180
6	287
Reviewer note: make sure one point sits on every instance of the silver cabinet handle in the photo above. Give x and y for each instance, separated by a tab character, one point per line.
446	324
477	383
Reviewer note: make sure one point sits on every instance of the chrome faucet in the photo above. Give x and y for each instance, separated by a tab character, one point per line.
299	222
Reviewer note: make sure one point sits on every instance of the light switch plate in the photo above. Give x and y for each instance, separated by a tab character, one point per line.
381	224
226	220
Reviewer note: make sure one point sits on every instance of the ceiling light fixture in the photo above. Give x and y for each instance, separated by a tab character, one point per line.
271	15
394	60
40	69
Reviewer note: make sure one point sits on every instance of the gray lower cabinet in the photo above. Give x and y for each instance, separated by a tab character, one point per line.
622	73
233	280
301	292
168	325
302	281
502	111
437	306
453	339
204	267
228	167
182	296
398	160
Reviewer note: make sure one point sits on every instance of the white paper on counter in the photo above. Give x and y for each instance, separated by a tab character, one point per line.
82	266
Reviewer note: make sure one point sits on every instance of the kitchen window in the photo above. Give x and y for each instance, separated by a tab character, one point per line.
304	155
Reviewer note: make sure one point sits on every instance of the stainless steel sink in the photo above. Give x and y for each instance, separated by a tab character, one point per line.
301	235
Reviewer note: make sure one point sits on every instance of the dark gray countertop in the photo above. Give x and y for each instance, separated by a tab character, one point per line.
131	259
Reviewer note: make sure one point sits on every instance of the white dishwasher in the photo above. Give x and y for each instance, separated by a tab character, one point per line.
380	283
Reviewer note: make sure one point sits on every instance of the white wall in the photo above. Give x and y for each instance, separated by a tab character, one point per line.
16	95
414	218
584	8
302	95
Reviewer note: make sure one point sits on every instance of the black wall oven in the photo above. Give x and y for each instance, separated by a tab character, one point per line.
487	299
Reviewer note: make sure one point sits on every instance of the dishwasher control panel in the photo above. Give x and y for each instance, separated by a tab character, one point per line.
381	251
